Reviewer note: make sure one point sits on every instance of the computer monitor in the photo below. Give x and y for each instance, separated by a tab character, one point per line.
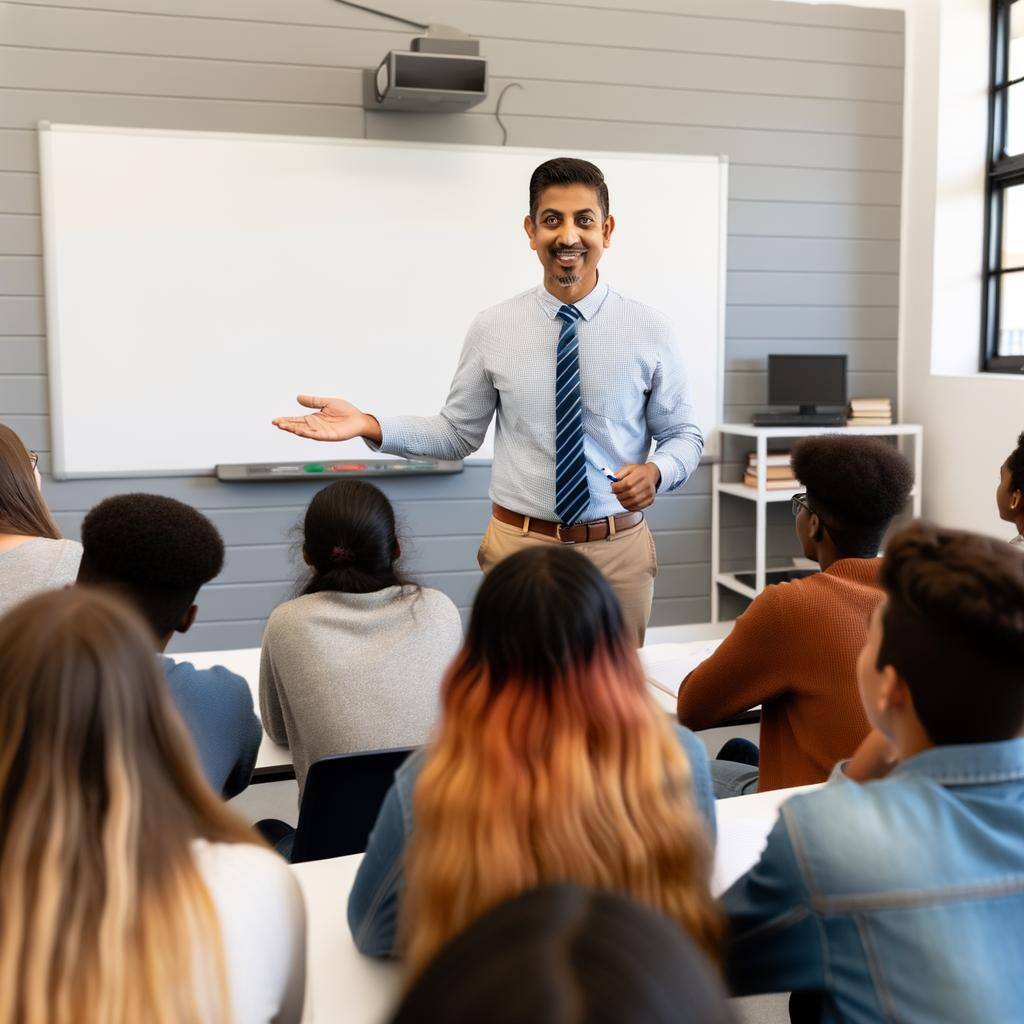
807	381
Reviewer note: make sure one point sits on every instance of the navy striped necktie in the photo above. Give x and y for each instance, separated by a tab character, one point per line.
572	494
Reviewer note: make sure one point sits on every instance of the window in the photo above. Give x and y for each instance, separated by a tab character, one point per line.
1003	298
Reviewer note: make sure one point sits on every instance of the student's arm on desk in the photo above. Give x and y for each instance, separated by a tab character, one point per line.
745	670
459	428
774	943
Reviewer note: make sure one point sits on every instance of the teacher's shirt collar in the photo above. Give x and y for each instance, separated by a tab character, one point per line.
588	305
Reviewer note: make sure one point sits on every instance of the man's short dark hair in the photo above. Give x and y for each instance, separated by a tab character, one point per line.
856	486
953	628
567	170
1015	464
156	550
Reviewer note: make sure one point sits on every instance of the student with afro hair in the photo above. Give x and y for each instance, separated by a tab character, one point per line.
794	650
1010	492
158	552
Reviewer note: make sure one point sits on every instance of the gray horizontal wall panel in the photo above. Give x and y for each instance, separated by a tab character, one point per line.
34	431
18	150
19	354
21	275
810	322
760	288
218	636
19	192
23	108
682	580
798	184
680	610
819	254
769	147
813	220
223	602
864	355
678	32
752	388
21	314
20	237
23	394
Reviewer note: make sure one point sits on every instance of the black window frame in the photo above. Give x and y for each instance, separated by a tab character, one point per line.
1003	172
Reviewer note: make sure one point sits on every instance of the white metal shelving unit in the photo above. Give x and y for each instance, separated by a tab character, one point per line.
761	496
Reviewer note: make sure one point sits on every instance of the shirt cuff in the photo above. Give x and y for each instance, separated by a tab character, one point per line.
390	444
839	773
669	469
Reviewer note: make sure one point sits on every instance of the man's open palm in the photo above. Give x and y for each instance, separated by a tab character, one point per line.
335	420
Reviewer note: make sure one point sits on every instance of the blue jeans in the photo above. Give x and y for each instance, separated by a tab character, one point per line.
730	778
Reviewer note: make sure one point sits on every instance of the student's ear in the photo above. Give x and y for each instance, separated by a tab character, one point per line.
396	553
1015	501
607	228
306	558
531	230
893	692
816	528
188	619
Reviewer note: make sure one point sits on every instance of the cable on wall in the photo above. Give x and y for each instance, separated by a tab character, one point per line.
383	14
497	111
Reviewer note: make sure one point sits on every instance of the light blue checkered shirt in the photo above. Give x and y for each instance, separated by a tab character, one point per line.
633	385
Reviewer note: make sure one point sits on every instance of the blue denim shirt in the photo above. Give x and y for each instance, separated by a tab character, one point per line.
900	899
373	902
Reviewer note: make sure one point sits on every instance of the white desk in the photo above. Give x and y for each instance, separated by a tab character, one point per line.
665	664
344	987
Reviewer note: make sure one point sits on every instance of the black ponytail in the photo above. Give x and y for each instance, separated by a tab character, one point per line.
350	541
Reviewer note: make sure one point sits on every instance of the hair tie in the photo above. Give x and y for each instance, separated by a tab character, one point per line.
339	554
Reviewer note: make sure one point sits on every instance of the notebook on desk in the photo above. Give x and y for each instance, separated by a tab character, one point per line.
667	665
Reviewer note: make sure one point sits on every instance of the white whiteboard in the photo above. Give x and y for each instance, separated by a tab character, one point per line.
196	282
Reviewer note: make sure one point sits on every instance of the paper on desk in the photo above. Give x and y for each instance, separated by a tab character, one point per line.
667	665
739	847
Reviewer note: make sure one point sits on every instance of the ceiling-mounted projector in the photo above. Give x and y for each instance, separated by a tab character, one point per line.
442	73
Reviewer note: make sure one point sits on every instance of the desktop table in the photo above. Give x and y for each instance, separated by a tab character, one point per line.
344	987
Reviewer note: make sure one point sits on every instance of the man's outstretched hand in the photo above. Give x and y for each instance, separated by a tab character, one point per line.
334	420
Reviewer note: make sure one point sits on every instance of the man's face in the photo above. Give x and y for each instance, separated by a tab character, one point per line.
569	234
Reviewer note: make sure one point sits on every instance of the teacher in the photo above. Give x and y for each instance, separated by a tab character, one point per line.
581	378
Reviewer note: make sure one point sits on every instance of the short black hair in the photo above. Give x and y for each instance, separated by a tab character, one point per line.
156	550
567	170
1015	464
856	486
953	628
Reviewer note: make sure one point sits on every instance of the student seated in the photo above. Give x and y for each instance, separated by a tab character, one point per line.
356	662
128	891
562	954
1010	492
158	552
33	555
551	763
897	890
794	650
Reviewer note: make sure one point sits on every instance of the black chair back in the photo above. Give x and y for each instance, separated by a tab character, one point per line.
341	800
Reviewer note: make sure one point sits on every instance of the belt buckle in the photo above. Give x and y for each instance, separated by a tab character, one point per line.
558	535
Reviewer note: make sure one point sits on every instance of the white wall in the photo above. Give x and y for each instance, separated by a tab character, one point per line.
971	420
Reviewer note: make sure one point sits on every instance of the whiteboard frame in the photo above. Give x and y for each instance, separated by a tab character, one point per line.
47	130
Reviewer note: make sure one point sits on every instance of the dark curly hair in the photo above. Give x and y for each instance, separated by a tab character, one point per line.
856	486
567	170
953	628
156	550
1015	464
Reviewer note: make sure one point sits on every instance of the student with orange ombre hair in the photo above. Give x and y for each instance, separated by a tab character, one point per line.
551	764
129	893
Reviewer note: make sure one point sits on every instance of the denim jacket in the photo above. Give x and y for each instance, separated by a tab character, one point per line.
900	899
373	902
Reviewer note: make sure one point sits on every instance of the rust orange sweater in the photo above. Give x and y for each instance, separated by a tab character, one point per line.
794	652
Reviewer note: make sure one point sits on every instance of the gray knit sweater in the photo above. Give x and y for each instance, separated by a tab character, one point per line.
37	565
342	673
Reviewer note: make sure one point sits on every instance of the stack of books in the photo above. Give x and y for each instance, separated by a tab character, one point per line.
869	412
778	472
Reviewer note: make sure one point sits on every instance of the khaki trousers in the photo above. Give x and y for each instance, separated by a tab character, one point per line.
627	560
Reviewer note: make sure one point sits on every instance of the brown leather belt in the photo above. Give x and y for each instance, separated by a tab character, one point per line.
598	529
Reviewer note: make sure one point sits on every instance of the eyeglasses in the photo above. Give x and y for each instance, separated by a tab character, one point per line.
33	459
799	501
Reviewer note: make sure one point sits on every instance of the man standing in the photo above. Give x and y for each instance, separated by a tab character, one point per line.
581	378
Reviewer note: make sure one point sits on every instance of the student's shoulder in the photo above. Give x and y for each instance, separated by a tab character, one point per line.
438	604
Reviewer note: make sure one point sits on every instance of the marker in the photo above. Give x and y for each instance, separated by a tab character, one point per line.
608	473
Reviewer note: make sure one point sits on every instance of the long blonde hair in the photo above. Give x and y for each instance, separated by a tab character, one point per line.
551	764
104	917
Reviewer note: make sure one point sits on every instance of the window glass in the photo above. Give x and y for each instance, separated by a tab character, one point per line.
1015	120
1016	66
1011	315
1013	227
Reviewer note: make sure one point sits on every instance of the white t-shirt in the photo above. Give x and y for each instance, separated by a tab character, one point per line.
263	928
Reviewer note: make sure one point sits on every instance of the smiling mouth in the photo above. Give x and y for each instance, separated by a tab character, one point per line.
567	257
